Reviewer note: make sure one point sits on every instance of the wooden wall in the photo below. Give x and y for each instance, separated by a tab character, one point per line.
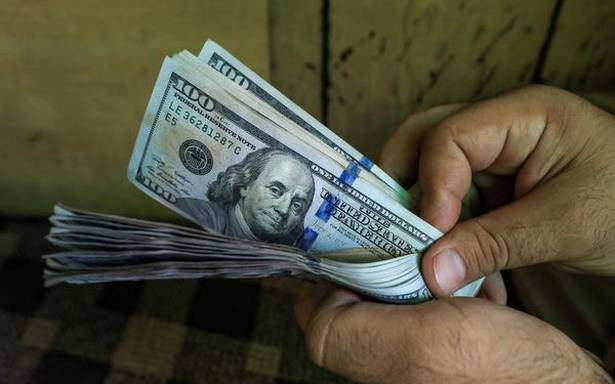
386	59
75	76
399	56
295	44
581	55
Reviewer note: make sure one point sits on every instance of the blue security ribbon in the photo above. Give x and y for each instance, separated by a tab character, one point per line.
367	163
327	208
307	238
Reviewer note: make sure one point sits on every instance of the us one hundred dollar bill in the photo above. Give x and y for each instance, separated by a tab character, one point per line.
276	192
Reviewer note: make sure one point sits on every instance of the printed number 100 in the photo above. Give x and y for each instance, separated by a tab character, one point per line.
230	72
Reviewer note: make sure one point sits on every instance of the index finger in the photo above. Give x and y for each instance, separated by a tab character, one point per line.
399	155
495	136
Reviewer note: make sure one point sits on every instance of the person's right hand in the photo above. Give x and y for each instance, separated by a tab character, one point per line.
554	155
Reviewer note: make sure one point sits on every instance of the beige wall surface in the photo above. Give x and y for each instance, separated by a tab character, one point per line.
75	77
295	44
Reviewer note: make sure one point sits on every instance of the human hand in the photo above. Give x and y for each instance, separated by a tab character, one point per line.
545	160
400	155
450	340
523	148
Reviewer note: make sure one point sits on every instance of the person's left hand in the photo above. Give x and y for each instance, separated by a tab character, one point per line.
451	340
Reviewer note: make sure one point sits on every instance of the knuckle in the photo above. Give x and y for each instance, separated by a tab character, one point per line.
546	93
486	251
438	144
445	130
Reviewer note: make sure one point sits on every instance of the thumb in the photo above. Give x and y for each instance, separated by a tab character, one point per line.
526	231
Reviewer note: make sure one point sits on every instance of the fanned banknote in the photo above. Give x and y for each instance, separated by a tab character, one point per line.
223	62
276	192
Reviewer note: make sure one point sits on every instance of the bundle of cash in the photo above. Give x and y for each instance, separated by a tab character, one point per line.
276	192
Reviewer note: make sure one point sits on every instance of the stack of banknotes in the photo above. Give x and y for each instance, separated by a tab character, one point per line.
276	192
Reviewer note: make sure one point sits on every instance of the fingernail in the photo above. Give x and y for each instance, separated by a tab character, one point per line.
449	270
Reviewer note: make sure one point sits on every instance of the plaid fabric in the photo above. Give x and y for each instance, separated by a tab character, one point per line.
210	331
207	331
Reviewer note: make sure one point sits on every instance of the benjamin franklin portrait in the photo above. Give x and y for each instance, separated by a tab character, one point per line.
263	197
